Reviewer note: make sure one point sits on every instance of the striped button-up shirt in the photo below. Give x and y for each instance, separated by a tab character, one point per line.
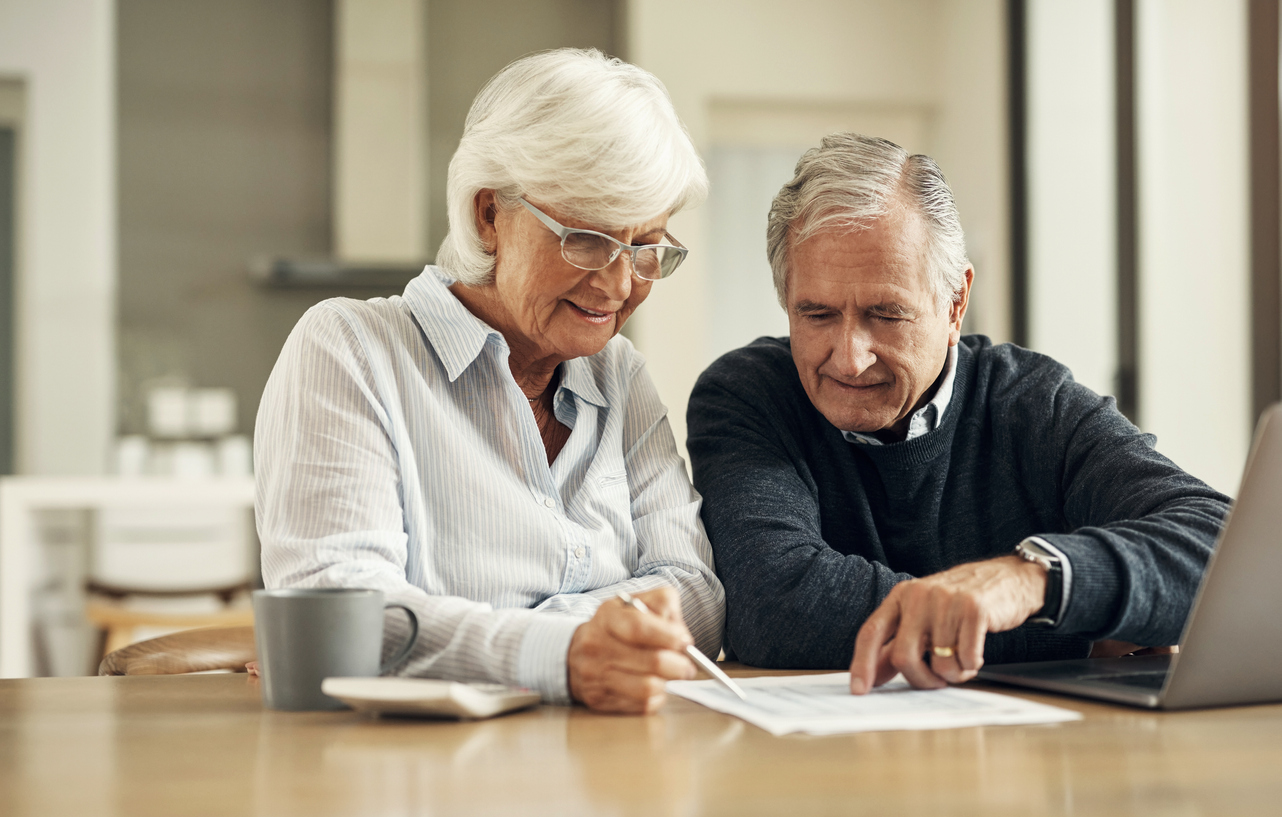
394	450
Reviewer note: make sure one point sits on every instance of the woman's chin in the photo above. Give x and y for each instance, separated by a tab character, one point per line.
585	342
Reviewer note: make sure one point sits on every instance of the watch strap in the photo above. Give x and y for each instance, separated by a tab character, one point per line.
1058	578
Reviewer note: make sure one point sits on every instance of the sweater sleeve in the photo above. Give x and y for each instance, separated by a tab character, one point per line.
1140	529
791	600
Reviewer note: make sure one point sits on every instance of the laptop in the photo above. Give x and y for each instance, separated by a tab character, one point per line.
1231	650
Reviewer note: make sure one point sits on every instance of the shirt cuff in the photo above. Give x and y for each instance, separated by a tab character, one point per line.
540	662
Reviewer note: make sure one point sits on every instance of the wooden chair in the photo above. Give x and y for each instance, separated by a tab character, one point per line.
109	611
203	650
167	567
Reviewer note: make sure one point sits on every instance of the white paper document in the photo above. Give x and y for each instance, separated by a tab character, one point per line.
823	705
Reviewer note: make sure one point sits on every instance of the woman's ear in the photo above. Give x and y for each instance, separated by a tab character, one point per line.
486	208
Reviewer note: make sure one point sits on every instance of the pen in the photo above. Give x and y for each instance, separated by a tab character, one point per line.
706	664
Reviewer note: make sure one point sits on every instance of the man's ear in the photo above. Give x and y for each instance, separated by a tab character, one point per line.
485	206
957	309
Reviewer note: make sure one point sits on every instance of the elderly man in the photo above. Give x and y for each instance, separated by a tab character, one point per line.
878	483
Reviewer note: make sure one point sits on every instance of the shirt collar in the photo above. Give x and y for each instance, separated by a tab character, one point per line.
578	375
928	417
944	394
458	336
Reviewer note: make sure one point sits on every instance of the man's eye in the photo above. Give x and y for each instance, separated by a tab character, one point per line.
887	318
818	316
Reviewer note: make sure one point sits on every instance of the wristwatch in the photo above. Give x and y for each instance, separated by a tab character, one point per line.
1058	578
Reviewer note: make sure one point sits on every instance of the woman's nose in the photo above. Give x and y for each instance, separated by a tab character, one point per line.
615	279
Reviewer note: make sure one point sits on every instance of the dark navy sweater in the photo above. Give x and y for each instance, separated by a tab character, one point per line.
810	532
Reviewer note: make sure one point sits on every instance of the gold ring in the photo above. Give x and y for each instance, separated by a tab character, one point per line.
943	652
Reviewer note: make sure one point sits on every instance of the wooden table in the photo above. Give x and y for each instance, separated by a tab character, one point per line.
204	745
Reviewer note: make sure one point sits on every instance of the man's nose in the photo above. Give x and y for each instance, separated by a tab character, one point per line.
854	353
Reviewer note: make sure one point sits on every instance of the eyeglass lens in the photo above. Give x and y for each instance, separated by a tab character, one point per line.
593	252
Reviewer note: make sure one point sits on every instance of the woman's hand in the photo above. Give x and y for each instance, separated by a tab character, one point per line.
621	659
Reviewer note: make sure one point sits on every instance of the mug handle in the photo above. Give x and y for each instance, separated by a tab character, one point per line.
404	652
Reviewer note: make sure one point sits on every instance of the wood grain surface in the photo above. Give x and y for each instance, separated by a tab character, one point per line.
203	744
200	650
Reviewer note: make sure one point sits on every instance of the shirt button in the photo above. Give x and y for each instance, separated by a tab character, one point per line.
550	502
578	553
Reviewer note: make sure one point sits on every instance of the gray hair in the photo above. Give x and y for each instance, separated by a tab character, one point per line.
851	180
589	135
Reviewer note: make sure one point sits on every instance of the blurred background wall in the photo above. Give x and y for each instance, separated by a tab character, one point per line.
164	150
224	120
57	61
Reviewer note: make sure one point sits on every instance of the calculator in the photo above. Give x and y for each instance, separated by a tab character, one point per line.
426	698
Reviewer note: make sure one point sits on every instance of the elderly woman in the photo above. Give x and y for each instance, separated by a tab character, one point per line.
484	448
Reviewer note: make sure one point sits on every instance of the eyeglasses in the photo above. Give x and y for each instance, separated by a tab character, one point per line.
590	250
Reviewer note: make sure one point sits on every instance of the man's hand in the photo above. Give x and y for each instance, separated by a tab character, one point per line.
620	660
956	609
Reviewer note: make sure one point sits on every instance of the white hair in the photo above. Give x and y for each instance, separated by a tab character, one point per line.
851	180
589	135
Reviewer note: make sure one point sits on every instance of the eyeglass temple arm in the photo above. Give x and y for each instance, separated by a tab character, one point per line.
560	230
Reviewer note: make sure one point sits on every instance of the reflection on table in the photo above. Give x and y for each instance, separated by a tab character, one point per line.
204	744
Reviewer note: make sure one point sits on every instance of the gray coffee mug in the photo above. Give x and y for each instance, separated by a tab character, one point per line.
304	636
